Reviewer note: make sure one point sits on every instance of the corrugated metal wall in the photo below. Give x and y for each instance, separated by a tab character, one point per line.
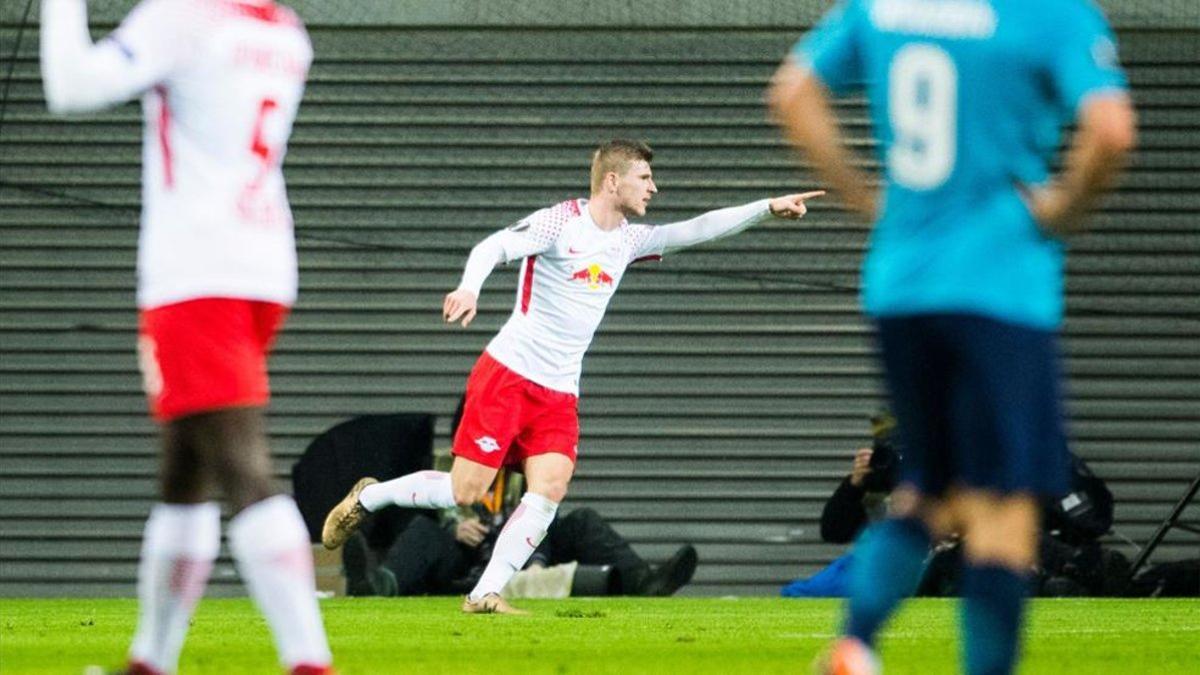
728	386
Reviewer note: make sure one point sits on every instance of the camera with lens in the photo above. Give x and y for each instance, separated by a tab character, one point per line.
885	455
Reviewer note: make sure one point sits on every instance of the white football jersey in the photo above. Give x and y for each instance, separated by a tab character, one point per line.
570	273
215	214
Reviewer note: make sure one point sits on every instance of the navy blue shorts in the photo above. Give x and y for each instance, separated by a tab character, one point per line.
978	403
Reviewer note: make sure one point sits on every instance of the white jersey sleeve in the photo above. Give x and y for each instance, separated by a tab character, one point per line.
649	241
532	235
78	76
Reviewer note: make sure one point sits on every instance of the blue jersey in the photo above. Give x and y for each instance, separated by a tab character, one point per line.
967	98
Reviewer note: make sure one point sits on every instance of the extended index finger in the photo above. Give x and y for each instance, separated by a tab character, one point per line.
810	195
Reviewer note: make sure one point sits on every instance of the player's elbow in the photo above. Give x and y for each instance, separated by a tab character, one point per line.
790	87
799	104
58	100
778	96
65	98
83	83
1111	125
61	105
1119	139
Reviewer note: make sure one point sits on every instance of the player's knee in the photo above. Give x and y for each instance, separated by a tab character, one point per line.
1014	555
246	487
177	479
468	492
555	491
548	475
1004	533
180	491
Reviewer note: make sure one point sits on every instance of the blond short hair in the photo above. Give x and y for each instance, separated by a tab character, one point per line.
617	156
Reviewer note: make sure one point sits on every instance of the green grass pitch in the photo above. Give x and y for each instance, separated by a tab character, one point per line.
624	636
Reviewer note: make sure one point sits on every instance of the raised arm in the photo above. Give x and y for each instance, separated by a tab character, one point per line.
79	76
724	222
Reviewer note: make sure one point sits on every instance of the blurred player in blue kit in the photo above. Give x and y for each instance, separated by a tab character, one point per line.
964	274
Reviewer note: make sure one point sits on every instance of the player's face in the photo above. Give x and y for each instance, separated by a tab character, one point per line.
635	188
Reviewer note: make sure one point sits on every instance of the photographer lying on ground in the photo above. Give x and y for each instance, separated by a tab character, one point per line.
1072	562
581	555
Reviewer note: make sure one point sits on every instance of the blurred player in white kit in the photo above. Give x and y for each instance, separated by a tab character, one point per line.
522	395
220	82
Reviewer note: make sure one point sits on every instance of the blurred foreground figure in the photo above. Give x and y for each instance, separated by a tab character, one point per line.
964	274
220	82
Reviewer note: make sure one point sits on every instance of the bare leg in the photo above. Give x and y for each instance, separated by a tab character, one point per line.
267	535
548	475
1001	529
226	446
182	538
470	480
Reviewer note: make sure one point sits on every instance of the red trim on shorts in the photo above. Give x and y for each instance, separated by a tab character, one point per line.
164	136
527	285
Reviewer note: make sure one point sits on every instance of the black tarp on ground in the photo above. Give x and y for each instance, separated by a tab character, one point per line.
381	446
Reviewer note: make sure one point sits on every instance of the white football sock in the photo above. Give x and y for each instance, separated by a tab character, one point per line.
274	556
522	533
420	490
178	550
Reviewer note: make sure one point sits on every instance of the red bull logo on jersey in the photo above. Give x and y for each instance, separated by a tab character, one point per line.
594	276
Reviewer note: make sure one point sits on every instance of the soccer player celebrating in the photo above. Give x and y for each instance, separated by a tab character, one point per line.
220	82
964	273
521	401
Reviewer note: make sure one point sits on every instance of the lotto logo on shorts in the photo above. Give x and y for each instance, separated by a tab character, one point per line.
487	444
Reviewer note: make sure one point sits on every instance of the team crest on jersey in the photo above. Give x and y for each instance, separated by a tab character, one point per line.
594	276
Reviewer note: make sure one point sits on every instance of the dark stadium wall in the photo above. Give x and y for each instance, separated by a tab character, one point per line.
729	385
